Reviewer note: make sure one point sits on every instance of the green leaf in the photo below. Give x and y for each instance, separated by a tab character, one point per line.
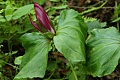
34	62
70	76
88	19
21	79
116	12
70	36
51	11
55	0
18	60
82	77
61	7
1	39
116	20
22	11
49	35
2	19
95	25
8	12
103	51
24	29
1	45
2	10
13	29
41	2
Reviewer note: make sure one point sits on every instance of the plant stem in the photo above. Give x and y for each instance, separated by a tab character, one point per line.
50	75
9	46
54	70
117	14
94	8
11	65
73	71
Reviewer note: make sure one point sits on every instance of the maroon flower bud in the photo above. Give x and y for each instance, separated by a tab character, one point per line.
42	18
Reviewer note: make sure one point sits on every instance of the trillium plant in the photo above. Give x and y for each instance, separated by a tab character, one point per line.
97	54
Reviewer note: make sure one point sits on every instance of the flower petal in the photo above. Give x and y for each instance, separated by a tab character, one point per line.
34	24
42	17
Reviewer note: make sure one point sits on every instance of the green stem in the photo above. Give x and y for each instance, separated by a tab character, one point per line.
73	71
54	70
9	43
93	9
50	75
11	65
12	35
9	46
118	26
117	14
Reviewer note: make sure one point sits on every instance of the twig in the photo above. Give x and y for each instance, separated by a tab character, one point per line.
93	9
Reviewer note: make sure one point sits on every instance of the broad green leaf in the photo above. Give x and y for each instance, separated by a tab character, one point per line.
70	36
34	62
103	51
22	11
21	79
8	12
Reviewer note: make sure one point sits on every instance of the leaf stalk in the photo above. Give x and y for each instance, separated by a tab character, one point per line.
117	14
73	71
